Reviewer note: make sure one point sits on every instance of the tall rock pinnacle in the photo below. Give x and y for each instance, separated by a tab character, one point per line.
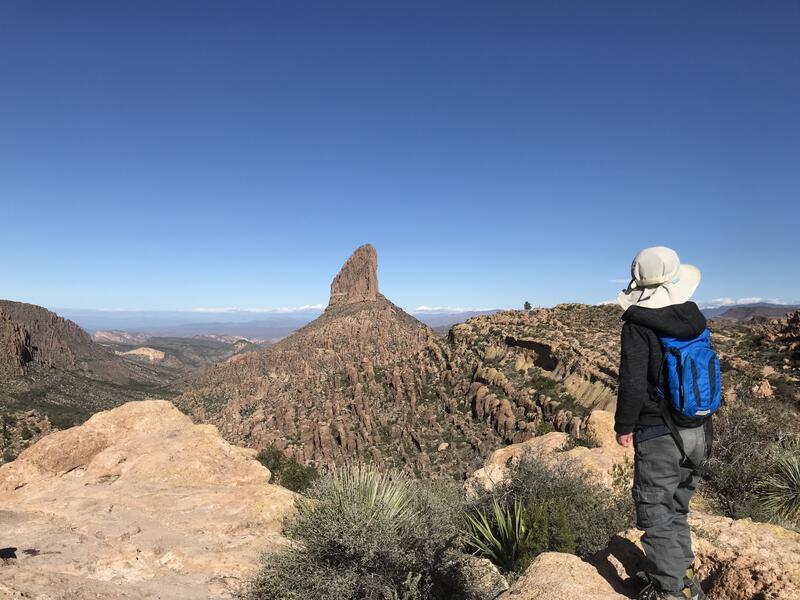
358	279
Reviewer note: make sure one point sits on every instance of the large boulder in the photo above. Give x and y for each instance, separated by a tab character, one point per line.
554	448
136	501
557	576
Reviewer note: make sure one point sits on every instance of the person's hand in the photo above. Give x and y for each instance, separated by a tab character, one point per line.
626	440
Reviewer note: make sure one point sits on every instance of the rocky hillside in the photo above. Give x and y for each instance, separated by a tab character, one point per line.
33	339
363	381
53	374
135	502
524	369
368	381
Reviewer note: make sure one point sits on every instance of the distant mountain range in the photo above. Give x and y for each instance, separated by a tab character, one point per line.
268	327
744	312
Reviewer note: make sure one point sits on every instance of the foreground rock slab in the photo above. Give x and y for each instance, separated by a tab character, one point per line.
136	503
557	576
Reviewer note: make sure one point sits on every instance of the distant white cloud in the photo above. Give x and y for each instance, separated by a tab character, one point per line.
270	310
446	309
728	301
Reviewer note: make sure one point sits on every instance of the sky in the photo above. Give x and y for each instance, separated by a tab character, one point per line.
200	155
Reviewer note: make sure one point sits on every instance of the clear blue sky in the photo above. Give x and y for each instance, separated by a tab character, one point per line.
176	155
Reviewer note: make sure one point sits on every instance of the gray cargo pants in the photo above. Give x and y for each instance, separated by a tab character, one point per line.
663	485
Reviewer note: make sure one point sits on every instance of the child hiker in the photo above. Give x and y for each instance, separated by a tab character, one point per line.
669	385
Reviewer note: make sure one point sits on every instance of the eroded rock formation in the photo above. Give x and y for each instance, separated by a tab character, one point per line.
357	281
364	381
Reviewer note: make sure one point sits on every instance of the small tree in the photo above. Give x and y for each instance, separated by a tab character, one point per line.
527	305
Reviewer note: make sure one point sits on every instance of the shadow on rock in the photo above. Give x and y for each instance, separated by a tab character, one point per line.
618	565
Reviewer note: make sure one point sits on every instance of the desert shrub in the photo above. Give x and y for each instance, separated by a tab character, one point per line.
287	471
509	536
745	444
778	492
363	534
561	533
582	515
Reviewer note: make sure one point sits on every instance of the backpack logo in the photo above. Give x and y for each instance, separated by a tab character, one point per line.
690	374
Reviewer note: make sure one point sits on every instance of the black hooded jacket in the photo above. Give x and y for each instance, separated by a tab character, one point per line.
641	357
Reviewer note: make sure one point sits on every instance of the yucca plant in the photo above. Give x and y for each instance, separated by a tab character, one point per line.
363	534
779	490
389	493
508	536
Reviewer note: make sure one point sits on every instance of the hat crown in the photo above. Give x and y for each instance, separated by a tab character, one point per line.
655	266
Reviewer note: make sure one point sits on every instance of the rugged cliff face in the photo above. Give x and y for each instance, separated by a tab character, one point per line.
34	339
364	381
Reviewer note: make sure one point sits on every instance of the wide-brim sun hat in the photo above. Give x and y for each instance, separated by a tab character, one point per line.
658	279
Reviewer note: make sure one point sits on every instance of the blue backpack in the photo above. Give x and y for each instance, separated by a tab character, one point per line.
691	382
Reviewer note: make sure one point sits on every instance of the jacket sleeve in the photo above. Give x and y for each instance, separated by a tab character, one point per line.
634	361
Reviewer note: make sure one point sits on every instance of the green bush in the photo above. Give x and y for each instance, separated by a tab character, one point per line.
744	447
562	535
779	490
287	471
583	516
362	534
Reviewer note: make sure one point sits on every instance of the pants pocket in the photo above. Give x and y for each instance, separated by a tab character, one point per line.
651	509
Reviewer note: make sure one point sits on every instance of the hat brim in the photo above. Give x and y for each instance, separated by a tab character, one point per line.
677	291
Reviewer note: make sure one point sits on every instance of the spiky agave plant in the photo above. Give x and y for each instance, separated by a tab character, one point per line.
389	492
508	536
779	490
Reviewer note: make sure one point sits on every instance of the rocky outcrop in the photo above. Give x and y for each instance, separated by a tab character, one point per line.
136	501
557	576
363	382
357	281
550	365
782	336
736	560
600	460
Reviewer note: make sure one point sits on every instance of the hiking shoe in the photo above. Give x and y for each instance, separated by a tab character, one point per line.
692	583
653	592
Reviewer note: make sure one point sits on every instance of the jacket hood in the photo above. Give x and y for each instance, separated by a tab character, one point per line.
683	321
